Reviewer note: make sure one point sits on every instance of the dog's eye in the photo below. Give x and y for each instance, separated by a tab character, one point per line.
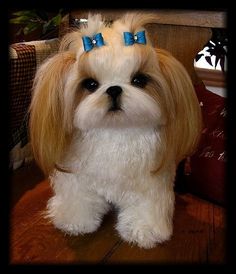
139	80
90	84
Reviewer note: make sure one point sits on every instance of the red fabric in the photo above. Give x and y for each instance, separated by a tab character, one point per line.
206	167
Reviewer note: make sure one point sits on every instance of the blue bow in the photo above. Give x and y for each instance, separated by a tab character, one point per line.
96	40
131	38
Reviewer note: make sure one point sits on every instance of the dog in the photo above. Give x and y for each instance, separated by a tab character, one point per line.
111	117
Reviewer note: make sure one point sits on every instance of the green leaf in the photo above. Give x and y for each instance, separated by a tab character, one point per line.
56	20
33	19
30	27
208	59
198	56
217	60
45	27
20	20
29	13
52	23
19	31
222	64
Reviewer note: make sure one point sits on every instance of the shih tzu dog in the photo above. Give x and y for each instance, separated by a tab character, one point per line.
111	118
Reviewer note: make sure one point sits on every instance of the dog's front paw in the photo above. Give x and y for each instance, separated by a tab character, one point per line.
77	228
143	234
75	219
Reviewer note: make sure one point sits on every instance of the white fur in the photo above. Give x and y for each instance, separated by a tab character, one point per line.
139	109
113	166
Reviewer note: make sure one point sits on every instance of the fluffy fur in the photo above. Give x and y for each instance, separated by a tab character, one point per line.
128	158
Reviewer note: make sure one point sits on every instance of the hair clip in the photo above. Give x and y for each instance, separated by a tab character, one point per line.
89	43
131	38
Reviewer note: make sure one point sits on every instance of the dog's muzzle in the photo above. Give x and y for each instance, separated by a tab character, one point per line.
114	93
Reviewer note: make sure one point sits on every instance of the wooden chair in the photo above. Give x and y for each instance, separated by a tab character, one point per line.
199	226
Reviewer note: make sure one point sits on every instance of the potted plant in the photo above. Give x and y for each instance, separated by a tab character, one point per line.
39	20
216	47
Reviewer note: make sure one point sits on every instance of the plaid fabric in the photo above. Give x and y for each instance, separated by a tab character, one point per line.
44	48
24	59
22	71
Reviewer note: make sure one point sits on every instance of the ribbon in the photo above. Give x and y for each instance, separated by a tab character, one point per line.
89	43
131	38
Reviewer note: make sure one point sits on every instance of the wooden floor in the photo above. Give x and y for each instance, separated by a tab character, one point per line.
199	232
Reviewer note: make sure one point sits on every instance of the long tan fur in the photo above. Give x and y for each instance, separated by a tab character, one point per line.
184	122
49	130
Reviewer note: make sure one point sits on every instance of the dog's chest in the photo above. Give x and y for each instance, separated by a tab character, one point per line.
112	153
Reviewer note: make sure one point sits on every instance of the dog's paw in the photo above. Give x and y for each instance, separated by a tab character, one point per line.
76	229
144	235
74	220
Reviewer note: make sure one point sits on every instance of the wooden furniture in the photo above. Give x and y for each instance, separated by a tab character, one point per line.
199	226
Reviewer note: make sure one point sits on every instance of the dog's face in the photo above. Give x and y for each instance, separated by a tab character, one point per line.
113	85
116	85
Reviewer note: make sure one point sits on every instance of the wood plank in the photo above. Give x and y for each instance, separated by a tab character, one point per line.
23	179
35	240
182	41
198	237
217	237
211	77
197	18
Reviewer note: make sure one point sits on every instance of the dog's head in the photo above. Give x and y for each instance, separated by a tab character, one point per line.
111	76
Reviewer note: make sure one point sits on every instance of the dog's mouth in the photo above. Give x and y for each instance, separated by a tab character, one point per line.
115	106
114	109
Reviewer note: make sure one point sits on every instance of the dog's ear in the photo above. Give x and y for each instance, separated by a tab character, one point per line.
184	121
49	125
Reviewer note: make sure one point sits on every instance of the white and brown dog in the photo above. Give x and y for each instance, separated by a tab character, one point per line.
111	117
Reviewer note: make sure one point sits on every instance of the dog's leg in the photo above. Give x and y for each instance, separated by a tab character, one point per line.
147	219
74	208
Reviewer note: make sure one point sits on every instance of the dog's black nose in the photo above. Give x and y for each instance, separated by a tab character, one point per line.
114	91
